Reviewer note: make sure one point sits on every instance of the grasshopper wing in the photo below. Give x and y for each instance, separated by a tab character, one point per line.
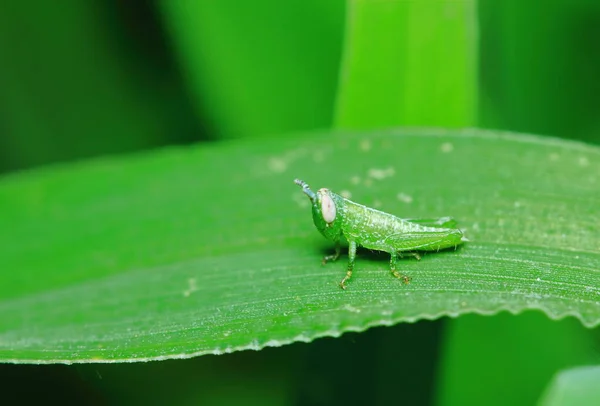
441	222
424	240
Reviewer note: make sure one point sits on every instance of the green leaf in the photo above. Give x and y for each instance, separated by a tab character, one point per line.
259	67
409	63
211	249
93	82
518	62
577	386
521	353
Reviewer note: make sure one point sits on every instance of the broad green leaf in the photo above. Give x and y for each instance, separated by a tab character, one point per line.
573	387
211	249
409	63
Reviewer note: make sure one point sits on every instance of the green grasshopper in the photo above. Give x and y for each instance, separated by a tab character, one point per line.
340	219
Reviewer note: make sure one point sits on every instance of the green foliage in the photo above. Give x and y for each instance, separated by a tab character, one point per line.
521	353
577	386
409	63
256	67
142	255
68	93
539	70
152	257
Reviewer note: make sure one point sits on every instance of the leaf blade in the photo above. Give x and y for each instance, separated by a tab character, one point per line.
139	258
414	62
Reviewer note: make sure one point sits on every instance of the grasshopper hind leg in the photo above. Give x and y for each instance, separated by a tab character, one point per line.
393	260
414	254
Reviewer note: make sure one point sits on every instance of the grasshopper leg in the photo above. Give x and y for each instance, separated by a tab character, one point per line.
351	257
395	273
333	257
414	254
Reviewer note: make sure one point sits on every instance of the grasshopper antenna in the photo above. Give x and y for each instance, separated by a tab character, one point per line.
305	189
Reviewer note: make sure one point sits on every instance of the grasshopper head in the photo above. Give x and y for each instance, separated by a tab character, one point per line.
327	208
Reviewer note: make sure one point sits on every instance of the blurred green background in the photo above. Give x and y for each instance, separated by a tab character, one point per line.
82	79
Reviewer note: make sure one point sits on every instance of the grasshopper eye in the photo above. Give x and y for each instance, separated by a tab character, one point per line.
327	208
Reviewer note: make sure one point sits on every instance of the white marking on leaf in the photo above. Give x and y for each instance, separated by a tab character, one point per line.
447	147
318	156
403	197
277	165
380	174
281	163
351	308
191	287
300	200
